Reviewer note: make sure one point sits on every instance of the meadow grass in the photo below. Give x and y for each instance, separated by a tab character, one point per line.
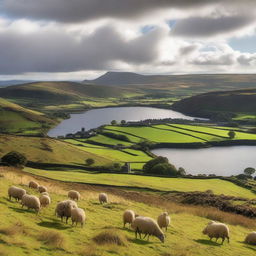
44	234
218	186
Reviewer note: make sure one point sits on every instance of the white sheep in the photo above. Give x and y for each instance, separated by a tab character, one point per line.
45	200
74	195
164	220
16	193
217	230
251	238
31	202
128	217
147	226
63	209
42	189
45	194
103	198
33	184
78	216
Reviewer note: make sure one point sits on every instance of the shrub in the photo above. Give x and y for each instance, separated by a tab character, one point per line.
160	165
249	171
231	134
110	237
52	238
113	122
89	161
116	136
15	159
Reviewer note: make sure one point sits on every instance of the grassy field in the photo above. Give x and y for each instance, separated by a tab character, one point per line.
45	150
19	120
163	184
22	232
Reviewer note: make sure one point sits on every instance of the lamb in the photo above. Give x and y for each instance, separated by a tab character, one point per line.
33	184
103	198
147	226
164	220
63	209
128	217
45	200
78	215
31	202
74	195
251	238
16	193
42	189
217	230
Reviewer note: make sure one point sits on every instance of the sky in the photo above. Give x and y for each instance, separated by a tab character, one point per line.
82	39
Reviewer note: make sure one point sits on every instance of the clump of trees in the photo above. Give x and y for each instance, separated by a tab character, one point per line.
14	159
160	165
116	136
231	134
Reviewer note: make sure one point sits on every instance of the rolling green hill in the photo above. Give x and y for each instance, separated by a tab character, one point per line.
19	120
240	101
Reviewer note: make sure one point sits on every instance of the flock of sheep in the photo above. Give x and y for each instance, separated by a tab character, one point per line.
140	224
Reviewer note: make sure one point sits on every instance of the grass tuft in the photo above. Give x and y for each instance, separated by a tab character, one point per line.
110	237
17	228
53	238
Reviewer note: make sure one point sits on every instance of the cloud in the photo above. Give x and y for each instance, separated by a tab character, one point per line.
53	49
211	26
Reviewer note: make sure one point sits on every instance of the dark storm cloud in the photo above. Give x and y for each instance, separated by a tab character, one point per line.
55	51
204	27
82	10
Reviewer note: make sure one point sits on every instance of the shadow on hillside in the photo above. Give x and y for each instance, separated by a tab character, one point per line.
21	210
139	241
55	225
250	247
207	242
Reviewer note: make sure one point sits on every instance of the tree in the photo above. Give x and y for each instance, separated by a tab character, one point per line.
181	171
249	171
89	161
15	159
113	122
160	165
231	134
123	122
117	166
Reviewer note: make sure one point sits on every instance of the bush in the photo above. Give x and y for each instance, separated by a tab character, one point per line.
116	136
160	165
15	159
89	161
231	134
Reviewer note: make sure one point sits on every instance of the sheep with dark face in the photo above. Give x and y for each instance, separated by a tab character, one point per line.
217	230
63	209
16	193
147	226
42	189
103	198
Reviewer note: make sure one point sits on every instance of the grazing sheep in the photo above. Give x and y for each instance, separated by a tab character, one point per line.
217	230
164	220
251	238
63	209
128	217
42	189
78	215
45	200
16	193
45	194
103	198
147	226
74	195
31	202
33	184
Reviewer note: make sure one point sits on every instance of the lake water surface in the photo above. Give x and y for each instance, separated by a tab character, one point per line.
223	161
97	117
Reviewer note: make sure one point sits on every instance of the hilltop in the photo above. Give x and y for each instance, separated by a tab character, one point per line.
238	101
